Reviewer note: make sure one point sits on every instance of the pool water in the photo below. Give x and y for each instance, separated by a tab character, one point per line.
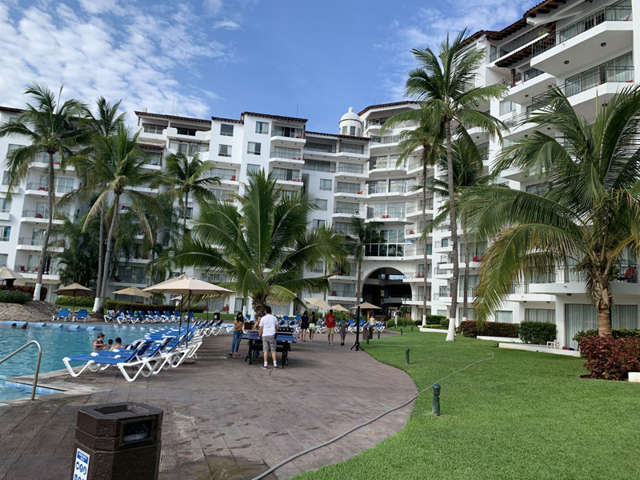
58	340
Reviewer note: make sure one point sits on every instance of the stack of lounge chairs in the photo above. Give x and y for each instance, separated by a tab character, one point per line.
152	316
159	349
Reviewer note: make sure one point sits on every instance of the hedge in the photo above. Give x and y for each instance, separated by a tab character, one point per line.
78	301
14	296
611	358
620	333
27	289
470	328
143	307
538	333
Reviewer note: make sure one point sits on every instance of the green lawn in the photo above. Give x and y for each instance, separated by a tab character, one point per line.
519	416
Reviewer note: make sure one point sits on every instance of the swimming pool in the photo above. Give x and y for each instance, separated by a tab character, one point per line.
58	340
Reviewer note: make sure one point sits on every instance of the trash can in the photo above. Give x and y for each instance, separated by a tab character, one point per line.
118	441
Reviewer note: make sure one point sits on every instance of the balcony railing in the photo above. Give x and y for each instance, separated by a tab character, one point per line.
350	168
620	12
348	188
389	212
37	242
385	139
584	81
355	210
386	249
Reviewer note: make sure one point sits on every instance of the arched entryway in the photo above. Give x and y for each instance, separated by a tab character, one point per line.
384	287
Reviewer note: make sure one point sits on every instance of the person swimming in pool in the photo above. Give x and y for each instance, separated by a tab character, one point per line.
117	345
98	343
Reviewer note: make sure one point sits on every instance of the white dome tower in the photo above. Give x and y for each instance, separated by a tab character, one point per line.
350	124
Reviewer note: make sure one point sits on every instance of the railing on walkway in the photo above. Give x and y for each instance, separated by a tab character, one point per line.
35	377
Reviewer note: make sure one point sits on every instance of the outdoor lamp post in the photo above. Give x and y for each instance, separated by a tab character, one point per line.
356	345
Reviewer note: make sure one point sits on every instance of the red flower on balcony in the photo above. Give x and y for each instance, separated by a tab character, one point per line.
476	259
233	178
411	232
333	293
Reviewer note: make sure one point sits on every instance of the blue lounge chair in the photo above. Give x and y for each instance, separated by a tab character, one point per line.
81	314
62	314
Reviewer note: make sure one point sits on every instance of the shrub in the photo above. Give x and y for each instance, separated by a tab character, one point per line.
14	296
538	333
143	307
28	289
620	333
470	328
440	320
78	301
611	358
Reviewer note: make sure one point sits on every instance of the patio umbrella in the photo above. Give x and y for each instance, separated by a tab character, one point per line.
74	289
186	285
133	292
368	306
339	308
315	302
9	276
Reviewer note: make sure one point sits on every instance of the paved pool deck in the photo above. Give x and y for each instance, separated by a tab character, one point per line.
223	418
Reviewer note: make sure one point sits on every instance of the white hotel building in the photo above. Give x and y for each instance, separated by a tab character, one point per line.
590	49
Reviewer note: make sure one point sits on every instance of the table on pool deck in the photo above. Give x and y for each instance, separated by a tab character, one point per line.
283	345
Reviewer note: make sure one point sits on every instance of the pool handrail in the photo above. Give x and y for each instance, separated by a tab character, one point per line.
35	377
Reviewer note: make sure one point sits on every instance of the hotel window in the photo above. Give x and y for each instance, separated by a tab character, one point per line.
254	148
5	177
5	204
352	148
253	168
321	203
352	131
64	184
5	233
318	267
443	291
344	130
151	128
224	150
3	259
316	224
326	184
506	106
191	132
262	127
226	129
504	316
444	242
538	188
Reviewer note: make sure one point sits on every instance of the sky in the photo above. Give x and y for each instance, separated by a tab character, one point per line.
305	58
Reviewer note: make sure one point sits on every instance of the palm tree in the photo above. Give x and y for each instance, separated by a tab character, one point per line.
119	168
263	246
79	258
423	141
184	177
52	128
446	84
467	172
587	220
103	124
361	234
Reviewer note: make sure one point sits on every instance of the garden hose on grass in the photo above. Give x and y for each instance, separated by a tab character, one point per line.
367	422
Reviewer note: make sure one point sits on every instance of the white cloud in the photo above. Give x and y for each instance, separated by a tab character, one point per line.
227	25
213	6
137	58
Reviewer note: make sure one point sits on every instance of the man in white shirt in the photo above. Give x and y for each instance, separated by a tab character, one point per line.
267	330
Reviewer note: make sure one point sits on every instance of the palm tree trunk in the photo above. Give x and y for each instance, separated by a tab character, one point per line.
107	255
424	250
603	302
467	255
454	233
47	233
184	222
259	302
100	253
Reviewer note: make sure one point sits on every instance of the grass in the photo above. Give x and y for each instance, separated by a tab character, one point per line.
520	415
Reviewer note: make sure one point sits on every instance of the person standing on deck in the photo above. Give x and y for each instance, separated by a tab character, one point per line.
330	322
267	331
238	323
343	330
304	326
312	326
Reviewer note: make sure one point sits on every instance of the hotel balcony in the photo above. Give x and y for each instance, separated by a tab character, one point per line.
417	277
38	190
385	141
348	193
346	171
568	281
41	216
341	211
30	272
389	251
595	85
286	157
30	244
534	82
596	38
290	136
183	134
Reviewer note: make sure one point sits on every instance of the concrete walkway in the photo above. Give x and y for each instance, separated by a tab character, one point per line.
223	419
